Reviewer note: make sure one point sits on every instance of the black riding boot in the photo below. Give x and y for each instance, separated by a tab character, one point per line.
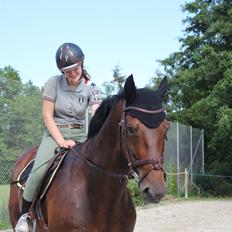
23	222
25	206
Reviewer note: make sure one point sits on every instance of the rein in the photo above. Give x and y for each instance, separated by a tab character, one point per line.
93	165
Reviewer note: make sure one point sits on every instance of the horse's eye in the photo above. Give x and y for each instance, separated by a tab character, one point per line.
132	130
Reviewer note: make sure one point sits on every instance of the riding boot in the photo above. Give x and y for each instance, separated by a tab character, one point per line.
25	206
22	224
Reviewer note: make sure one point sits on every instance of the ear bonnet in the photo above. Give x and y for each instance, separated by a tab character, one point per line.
149	100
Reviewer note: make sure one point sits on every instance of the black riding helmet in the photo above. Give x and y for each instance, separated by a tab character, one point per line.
68	55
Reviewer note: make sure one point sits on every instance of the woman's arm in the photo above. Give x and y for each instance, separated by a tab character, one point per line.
94	108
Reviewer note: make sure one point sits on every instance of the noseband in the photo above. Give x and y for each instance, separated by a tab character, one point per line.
133	163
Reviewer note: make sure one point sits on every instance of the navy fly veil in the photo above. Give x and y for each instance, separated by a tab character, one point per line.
149	100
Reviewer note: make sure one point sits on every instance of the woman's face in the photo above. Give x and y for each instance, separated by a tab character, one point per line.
73	76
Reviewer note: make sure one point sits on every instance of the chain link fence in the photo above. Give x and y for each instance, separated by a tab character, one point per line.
184	150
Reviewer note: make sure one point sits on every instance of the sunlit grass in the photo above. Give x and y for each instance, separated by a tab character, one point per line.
4	196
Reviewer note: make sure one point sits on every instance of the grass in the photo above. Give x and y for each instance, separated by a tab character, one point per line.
4	218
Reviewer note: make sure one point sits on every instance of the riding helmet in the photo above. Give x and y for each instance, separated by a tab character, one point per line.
68	56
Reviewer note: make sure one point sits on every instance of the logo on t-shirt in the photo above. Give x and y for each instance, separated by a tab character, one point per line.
81	100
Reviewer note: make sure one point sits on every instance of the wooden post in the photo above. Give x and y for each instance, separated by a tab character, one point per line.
186	182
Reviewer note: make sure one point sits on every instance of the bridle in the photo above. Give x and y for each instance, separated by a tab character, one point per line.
133	163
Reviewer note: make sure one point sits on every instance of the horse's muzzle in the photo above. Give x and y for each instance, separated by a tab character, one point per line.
150	195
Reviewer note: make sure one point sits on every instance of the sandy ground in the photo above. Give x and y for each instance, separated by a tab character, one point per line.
185	216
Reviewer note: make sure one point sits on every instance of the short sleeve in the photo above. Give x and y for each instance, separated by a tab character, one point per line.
50	89
95	95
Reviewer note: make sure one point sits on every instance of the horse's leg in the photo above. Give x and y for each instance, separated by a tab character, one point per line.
124	216
14	204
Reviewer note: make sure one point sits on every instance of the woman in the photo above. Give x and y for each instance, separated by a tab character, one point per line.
65	100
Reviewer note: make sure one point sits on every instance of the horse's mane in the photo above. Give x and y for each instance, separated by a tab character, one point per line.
101	114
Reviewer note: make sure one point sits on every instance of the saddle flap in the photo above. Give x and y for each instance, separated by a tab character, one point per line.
24	174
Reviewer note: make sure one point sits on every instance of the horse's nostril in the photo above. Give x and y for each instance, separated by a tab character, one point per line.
150	196
146	190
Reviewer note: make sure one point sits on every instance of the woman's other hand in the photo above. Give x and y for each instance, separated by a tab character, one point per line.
67	143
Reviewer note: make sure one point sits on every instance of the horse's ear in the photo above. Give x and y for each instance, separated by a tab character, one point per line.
163	86
129	89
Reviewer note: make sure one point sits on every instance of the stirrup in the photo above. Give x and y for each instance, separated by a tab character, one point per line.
23	223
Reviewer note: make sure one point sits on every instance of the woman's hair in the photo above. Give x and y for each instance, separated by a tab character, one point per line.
85	74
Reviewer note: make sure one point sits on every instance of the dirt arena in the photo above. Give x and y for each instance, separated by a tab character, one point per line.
185	216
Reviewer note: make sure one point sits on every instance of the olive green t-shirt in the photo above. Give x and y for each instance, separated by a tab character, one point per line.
70	103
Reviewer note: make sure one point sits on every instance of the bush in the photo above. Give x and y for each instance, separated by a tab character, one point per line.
135	192
172	188
214	186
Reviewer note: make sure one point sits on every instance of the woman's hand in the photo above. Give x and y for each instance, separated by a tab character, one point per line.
67	143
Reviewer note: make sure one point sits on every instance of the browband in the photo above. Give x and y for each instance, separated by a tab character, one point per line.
144	110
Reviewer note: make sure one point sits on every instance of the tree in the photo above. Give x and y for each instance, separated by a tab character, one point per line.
118	78
25	123
201	78
20	113
21	123
108	88
9	89
111	87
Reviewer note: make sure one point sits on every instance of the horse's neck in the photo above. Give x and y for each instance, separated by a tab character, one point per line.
107	141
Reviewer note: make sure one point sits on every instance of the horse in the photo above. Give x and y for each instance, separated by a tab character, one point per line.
89	192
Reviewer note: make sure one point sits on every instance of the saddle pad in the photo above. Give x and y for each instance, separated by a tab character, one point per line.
50	172
24	174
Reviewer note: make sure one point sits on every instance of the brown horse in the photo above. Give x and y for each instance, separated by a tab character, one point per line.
89	192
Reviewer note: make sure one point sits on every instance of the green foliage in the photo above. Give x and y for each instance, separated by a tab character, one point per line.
200	79
172	188
214	186
118	78
10	85
21	123
135	192
109	88
112	87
